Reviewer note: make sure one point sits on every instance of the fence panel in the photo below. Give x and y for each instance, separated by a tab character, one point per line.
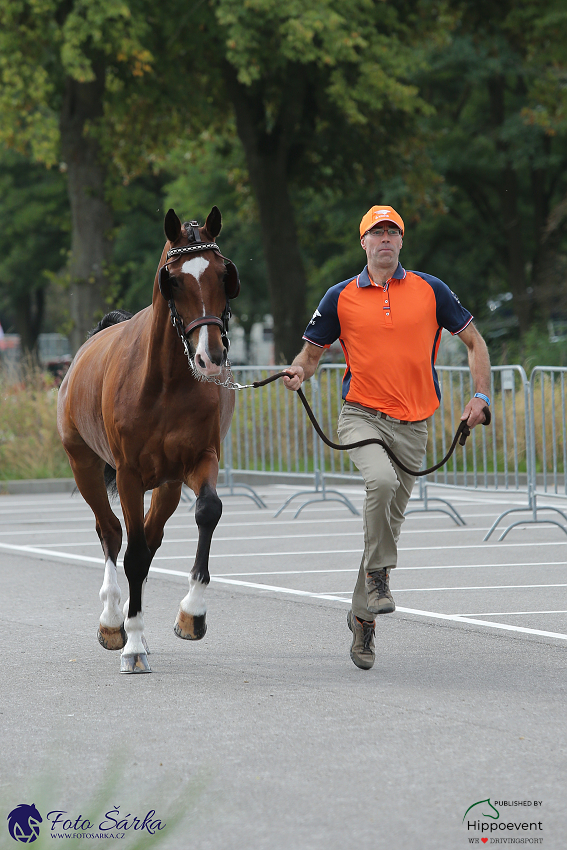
549	449
497	457
523	451
270	432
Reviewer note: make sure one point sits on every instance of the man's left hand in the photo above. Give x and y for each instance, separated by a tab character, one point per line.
473	412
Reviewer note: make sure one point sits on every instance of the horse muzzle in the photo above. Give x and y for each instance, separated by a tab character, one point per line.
210	355
203	320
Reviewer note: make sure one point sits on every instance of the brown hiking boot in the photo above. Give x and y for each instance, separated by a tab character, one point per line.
362	649
380	600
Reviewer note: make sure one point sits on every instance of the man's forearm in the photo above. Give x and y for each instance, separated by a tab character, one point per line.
303	366
479	365
308	358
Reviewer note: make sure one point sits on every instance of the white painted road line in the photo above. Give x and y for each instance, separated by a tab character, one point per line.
293	592
509	613
482	587
310	552
38	550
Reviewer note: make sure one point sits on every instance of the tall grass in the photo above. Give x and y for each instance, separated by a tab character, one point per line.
29	442
271	433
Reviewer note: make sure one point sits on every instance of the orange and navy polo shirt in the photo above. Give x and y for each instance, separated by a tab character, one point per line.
390	337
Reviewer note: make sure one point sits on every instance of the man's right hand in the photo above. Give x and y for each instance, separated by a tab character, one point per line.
294	382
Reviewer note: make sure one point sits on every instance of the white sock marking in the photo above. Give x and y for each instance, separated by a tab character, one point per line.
134	627
111	616
194	602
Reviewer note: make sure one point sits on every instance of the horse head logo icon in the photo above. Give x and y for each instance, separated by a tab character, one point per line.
484	814
23	823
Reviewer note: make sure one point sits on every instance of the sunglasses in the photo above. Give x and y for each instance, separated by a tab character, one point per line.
391	231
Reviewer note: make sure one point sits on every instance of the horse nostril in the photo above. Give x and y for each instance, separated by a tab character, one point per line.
201	362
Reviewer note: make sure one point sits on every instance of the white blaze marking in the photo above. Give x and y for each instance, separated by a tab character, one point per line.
203	361
195	267
111	616
194	602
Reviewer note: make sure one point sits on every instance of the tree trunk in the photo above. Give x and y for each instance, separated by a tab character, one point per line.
511	220
91	215
550	263
511	223
29	309
267	155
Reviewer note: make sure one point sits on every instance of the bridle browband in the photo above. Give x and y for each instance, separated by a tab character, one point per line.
191	249
198	247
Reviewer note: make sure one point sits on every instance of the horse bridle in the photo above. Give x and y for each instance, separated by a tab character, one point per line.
198	247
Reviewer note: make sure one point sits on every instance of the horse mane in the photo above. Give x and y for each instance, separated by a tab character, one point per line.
112	318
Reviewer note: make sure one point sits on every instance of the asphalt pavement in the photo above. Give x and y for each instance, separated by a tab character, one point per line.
264	734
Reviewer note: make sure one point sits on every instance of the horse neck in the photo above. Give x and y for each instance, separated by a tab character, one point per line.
166	362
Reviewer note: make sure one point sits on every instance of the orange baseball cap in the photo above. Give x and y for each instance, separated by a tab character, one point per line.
377	214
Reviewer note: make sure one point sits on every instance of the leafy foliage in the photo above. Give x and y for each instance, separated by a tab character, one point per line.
34	240
453	112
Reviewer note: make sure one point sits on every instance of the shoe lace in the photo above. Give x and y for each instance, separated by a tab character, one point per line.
368	630
379	581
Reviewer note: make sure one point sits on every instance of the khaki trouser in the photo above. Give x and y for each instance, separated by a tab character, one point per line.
387	488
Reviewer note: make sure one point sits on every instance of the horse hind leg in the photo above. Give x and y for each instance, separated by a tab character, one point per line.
165	500
111	634
125	614
88	470
191	620
137	560
134	657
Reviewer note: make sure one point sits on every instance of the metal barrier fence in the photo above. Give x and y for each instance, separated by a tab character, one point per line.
494	458
524	451
271	434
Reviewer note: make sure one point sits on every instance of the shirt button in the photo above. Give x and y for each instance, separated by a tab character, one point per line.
387	314
385	302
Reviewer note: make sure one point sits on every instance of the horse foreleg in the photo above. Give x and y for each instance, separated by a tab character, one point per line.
164	502
191	619
137	560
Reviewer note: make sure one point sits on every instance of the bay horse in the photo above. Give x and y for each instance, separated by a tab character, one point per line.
143	406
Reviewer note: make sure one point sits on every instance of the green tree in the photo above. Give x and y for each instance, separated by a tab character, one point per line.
211	169
499	140
34	241
316	89
58	61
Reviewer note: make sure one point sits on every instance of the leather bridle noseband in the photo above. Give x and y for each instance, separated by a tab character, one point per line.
231	289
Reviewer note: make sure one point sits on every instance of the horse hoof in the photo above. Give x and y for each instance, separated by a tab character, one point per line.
137	663
111	637
189	627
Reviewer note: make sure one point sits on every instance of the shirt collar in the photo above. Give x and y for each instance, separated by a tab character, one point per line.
363	278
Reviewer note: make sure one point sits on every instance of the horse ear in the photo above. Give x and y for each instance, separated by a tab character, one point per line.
172	226
213	223
164	281
231	280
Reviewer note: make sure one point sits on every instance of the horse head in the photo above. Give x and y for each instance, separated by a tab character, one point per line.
198	283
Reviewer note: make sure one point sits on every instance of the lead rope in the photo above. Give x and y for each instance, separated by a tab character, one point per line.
463	431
